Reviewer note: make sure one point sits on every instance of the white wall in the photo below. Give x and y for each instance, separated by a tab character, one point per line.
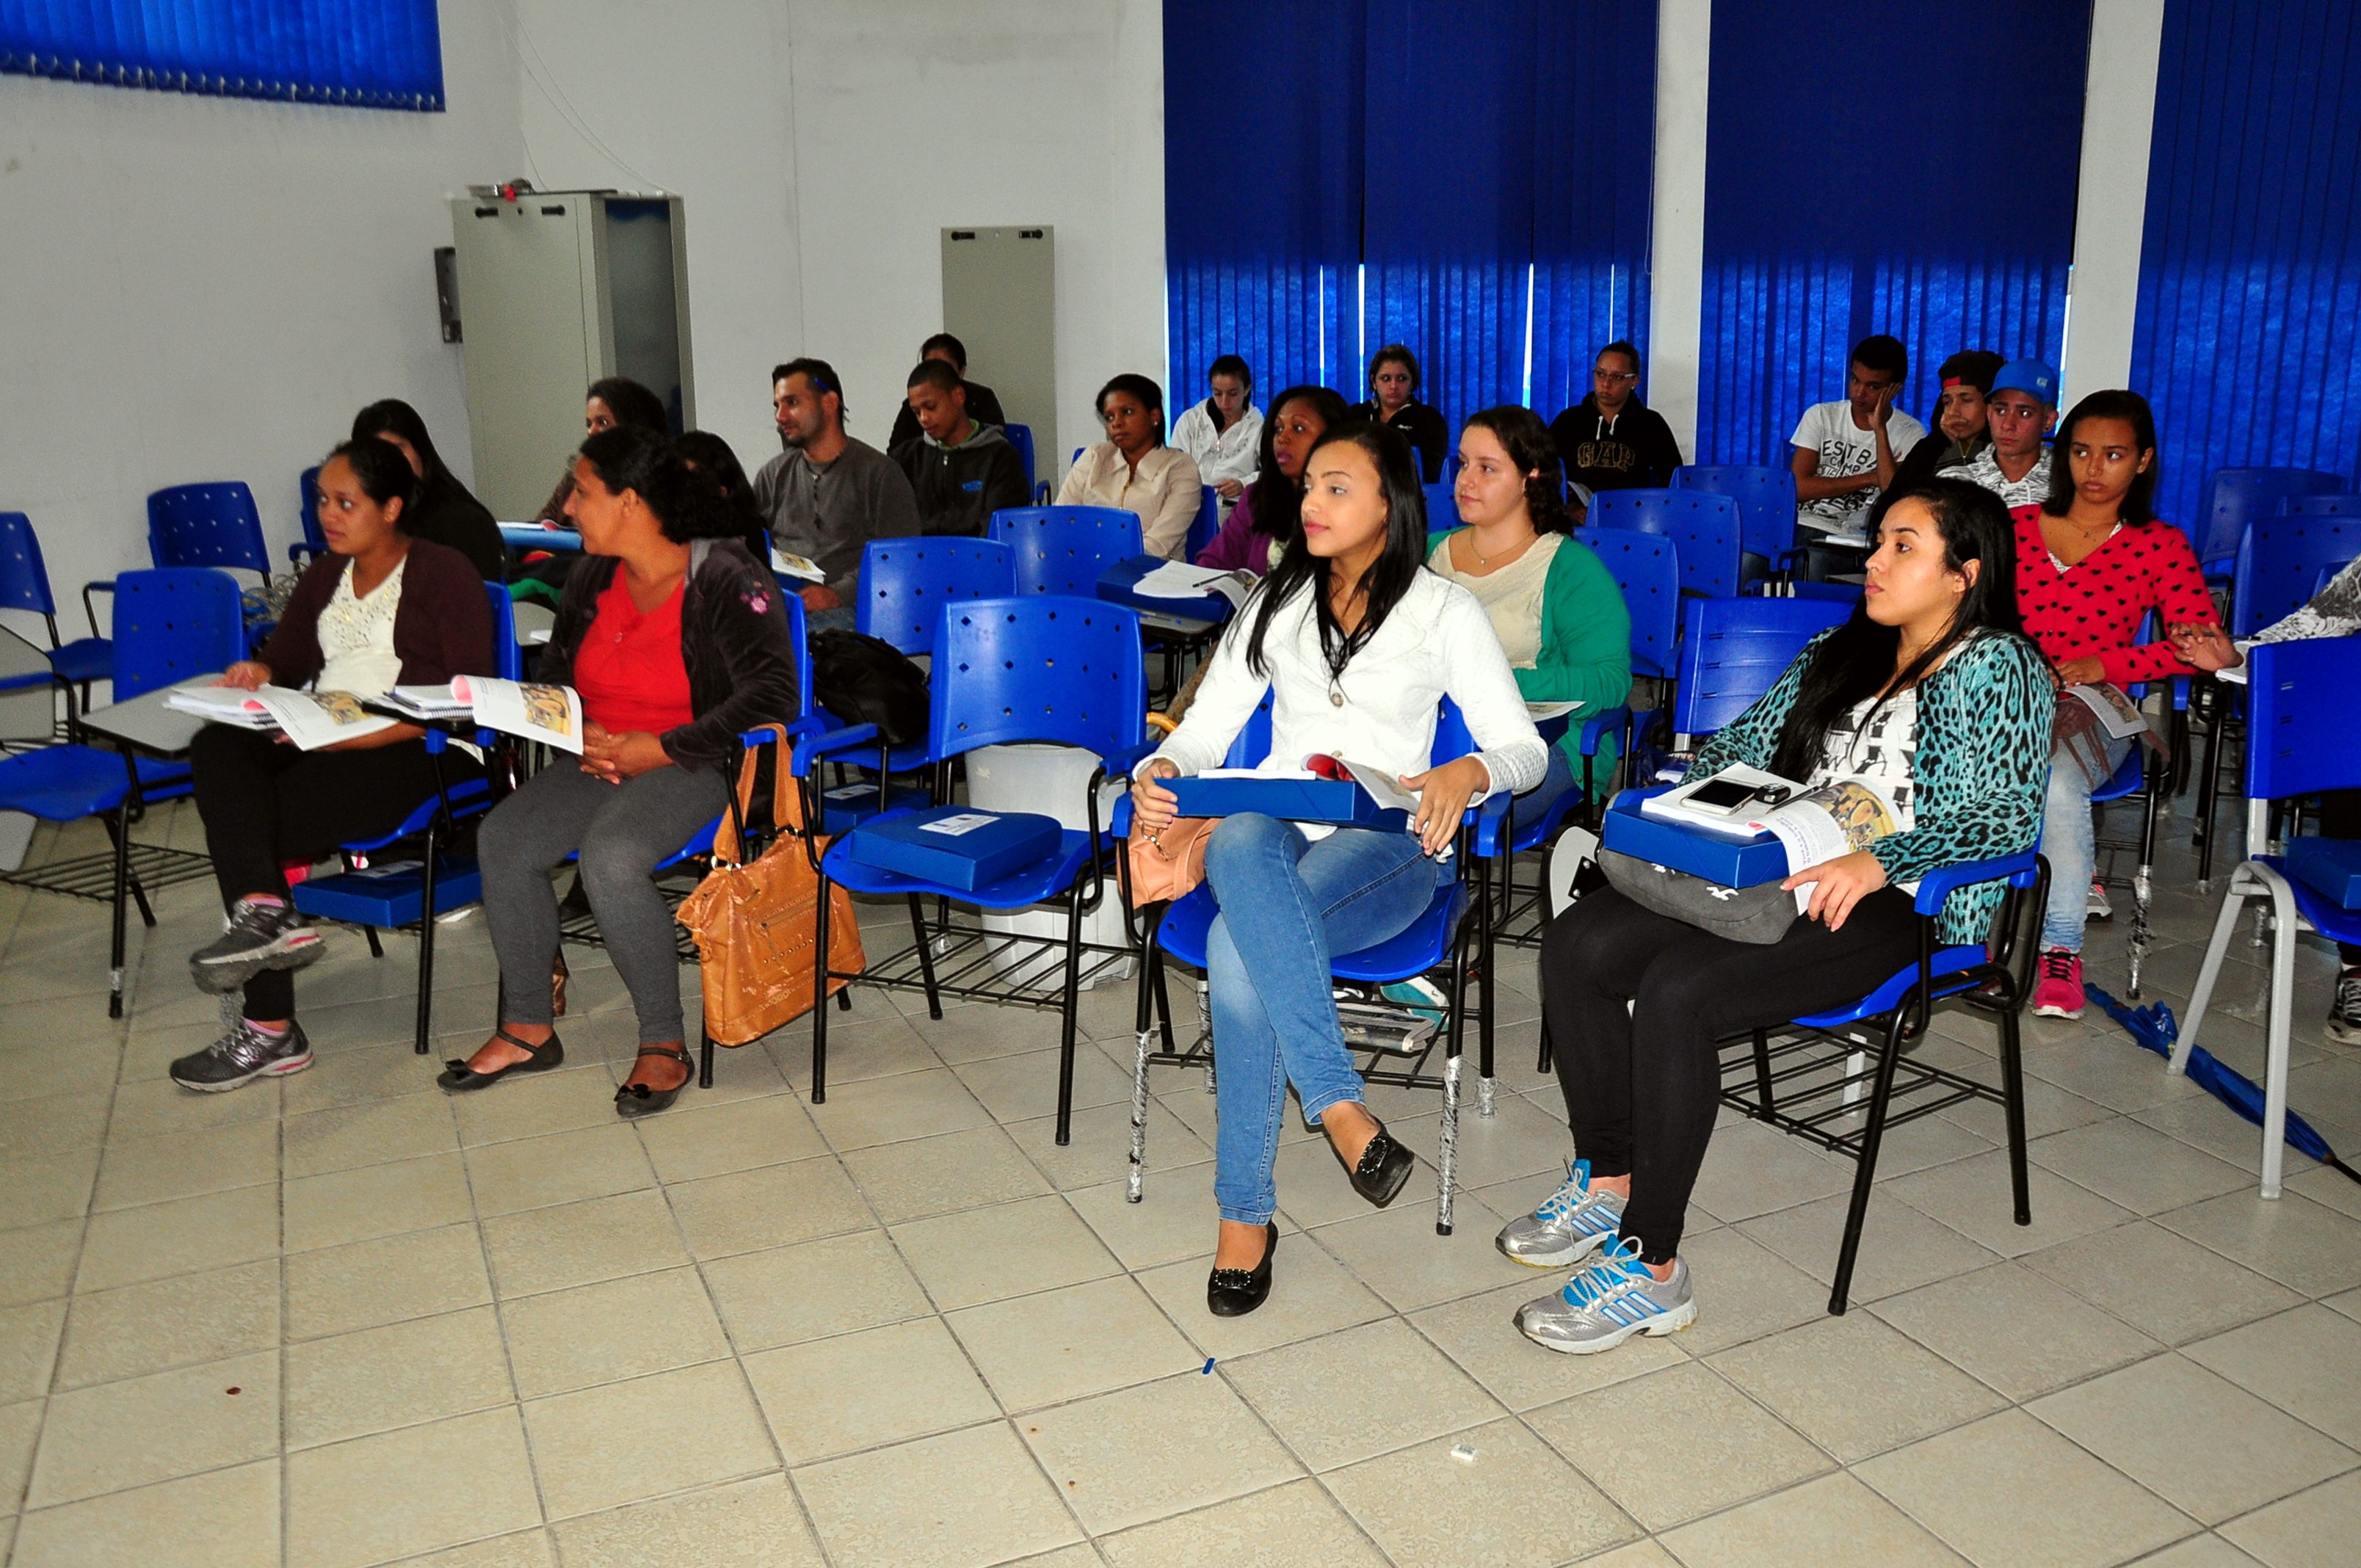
821	144
209	287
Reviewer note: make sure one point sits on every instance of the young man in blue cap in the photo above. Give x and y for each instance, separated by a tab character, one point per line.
2021	407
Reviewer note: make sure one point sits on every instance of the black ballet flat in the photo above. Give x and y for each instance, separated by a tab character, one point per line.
636	1100
1234	1293
458	1078
1384	1166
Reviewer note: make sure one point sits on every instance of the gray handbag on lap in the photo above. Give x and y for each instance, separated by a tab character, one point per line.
1760	915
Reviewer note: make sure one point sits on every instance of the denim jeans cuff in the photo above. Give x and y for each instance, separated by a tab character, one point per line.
1240	1217
1313	1113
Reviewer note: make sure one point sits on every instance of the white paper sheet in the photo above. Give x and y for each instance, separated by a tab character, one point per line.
550	715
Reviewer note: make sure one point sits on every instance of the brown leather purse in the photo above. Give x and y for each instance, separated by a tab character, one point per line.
1167	863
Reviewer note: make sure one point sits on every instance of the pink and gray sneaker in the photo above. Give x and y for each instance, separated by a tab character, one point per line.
2059	992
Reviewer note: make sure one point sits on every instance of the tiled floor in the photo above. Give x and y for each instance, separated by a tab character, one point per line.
344	1320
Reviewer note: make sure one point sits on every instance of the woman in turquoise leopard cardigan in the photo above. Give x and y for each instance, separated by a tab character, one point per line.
1931	695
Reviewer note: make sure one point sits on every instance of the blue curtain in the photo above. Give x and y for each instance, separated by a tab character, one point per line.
1467	178
1262	190
1897	166
378	54
2247	340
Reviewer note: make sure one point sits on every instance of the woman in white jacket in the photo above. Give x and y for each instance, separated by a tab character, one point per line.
1223	436
1357	646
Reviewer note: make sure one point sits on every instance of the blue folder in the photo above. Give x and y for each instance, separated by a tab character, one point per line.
1340	801
1727	862
957	846
2330	867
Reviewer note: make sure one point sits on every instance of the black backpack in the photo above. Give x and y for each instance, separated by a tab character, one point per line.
867	680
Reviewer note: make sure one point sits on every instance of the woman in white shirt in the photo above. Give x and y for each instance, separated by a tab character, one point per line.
1358	645
1223	436
380	607
1132	468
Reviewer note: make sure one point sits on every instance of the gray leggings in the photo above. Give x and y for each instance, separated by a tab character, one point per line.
622	832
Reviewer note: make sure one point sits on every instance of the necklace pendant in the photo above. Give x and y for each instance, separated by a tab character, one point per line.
1336	696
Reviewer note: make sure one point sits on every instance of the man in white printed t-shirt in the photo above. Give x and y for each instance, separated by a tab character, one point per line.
2022	407
1846	450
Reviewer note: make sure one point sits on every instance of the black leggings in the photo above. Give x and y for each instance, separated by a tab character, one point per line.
266	805
2340	818
1642	1086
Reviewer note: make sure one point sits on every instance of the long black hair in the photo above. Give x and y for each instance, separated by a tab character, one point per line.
1274	501
1855	662
383	472
1534	451
391	416
688	504
630	403
1147	394
711	458
2139	501
1387	578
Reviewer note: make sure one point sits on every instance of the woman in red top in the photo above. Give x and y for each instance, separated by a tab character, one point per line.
2092	562
676	641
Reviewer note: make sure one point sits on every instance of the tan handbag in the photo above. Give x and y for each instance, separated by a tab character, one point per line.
757	923
1169	863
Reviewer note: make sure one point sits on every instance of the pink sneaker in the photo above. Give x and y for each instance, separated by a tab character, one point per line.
2059	992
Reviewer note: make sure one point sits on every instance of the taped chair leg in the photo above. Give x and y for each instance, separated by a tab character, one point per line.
1446	1146
1137	1173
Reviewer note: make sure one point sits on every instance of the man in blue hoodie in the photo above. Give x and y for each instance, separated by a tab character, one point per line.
961	471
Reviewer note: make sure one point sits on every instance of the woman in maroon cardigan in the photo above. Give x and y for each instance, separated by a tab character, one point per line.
380	608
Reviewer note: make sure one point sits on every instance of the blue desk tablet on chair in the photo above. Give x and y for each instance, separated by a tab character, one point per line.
1340	801
2330	867
1729	862
956	845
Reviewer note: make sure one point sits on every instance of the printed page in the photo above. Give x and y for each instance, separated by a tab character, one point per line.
223	705
1179	580
1832	821
550	715
1382	786
2107	702
314	720
427	702
788	564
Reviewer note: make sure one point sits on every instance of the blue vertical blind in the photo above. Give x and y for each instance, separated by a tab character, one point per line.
2247	337
1473	178
375	54
1898	165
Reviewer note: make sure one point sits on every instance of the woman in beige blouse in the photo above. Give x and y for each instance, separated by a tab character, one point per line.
1132	468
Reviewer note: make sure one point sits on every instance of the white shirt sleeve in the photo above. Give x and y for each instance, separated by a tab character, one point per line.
1810	430
1477	677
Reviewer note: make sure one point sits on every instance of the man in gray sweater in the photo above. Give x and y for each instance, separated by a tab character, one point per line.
827	496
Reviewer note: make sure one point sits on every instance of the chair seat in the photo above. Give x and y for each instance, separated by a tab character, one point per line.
848	805
2333	921
1426	943
392	896
1887	997
84	659
63	784
468	797
1044	879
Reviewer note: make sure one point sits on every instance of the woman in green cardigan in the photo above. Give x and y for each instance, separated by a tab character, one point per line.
1559	615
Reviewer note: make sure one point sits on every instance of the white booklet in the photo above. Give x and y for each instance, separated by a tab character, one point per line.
311	719
2120	715
1179	580
1813	826
1542	712
550	715
789	564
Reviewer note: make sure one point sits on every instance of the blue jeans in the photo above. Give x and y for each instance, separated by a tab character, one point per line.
2067	836
1291	903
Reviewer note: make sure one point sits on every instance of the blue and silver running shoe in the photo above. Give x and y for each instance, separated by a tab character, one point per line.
1572	1221
1609	1302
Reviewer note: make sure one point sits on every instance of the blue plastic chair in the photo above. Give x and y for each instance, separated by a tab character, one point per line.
207	525
2237	498
25	586
307	512
904	583
1646	567
1443	934
1022	670
1766	504
1062	550
1442	508
2280	557
1734	650
1207	524
170	626
1704	523
2300	741
1020	436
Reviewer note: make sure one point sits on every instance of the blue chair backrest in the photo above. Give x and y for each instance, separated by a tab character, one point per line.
1442	508
2301	738
207	526
24	577
1062	550
1646	567
508	658
2328	574
2281	558
1733	650
2239	498
1252	742
1047	668
174	624
1765	498
1020	436
904	583
1704	523
1207	524
307	507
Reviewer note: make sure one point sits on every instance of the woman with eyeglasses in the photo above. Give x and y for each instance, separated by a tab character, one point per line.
1132	468
1610	440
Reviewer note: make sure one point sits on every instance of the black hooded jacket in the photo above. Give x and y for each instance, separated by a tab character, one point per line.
959	488
1633	451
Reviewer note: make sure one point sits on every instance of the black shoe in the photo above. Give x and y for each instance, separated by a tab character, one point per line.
242	1054
636	1100
1385	1166
1234	1293
257	936
458	1078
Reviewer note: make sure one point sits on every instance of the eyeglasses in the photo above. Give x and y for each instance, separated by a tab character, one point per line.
1616	376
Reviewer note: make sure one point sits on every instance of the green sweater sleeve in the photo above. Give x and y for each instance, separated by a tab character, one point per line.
1585	652
1982	768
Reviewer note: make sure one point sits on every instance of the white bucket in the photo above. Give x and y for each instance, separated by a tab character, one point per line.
1050	781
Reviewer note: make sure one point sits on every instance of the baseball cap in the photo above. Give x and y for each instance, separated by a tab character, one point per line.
2028	376
1975	367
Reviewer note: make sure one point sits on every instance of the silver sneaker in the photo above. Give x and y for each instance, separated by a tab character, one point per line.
1571	1224
2098	906
242	1054
2344	1024
1608	1303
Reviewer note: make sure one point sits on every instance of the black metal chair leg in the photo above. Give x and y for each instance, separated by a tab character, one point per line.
1066	1035
1865	1172
426	942
1548	1057
1763	1070
926	955
704	1058
122	835
2012	1081
820	1002
377	948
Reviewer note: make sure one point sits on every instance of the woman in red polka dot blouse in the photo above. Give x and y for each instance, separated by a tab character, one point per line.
2092	562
